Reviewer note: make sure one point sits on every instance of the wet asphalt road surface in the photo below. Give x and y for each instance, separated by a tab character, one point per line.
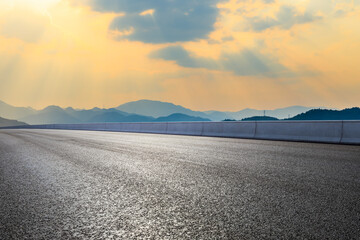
57	184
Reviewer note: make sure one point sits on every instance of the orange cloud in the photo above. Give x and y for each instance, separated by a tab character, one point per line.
69	56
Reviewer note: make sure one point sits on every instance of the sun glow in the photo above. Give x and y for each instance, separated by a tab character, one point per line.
34	4
63	51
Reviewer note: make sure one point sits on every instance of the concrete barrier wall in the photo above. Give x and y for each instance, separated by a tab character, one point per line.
351	132
153	128
131	127
347	132
185	128
229	129
309	131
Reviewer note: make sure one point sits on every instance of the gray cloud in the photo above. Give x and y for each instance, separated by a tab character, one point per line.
245	63
171	21
286	18
183	58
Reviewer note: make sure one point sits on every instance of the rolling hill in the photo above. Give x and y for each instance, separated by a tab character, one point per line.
324	114
179	117
260	118
9	123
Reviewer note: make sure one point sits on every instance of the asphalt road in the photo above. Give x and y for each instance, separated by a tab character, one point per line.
58	184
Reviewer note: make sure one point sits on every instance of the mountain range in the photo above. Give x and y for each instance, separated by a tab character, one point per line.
137	111
11	112
326	114
56	115
316	115
157	109
279	113
7	122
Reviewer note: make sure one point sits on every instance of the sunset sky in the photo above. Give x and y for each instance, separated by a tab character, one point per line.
202	54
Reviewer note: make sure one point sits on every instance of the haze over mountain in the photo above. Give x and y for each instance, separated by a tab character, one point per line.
11	112
95	114
118	116
50	114
9	123
279	113
58	115
137	111
157	109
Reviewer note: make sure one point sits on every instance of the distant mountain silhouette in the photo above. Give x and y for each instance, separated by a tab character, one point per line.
138	111
260	118
94	114
157	109
83	115
11	112
279	113
57	115
324	114
179	117
50	115
118	116
9	123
